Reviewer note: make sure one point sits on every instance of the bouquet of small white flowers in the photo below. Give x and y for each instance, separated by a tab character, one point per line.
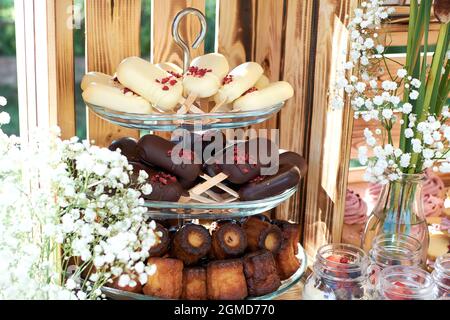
71	219
415	97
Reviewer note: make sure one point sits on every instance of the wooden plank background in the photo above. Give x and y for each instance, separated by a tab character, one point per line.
296	69
330	133
61	67
112	34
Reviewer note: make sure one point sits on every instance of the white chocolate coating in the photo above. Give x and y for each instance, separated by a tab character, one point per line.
170	67
262	83
269	96
114	98
243	77
214	61
206	84
97	77
146	79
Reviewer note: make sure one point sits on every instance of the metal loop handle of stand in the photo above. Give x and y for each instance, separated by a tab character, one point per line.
180	41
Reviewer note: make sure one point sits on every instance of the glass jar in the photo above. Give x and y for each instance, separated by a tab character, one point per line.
399	210
441	276
339	273
405	283
393	250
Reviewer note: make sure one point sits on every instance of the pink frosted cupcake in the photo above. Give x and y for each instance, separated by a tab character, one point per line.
433	185
355	218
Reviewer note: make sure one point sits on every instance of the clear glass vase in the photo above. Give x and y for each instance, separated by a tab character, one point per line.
399	211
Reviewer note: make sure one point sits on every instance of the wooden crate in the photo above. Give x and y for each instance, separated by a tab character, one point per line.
297	41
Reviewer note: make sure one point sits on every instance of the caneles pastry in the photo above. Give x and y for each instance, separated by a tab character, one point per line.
191	243
228	240
194	284
261	273
161	248
226	280
167	281
286	260
261	234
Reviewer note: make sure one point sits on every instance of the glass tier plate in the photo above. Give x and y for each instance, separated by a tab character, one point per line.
116	294
193	210
191	122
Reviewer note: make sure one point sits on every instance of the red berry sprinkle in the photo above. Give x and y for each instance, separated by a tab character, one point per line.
228	79
176	75
252	89
198	72
165	88
126	90
173	82
163	178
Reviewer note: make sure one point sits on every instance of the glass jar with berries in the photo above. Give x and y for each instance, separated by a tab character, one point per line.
405	283
339	273
441	276
392	250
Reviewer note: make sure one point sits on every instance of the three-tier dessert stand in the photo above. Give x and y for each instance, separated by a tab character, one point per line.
189	211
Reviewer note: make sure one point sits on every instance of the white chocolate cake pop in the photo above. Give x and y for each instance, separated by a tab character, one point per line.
97	77
116	98
205	75
262	82
238	81
154	84
171	68
255	99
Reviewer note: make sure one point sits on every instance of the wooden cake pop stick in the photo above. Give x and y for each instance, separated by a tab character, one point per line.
221	186
201	188
201	199
214	196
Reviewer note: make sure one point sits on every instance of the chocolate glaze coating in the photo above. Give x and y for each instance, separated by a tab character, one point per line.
165	187
198	143
246	164
292	158
268	186
156	151
127	146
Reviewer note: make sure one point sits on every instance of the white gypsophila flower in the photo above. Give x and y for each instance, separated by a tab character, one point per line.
387	113
4	118
414	94
362	155
416	83
407	108
405	160
409	133
401	73
3	101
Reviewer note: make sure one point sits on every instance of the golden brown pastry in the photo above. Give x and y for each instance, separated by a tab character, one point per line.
261	273
167	281
228	240
286	260
161	248
191	243
226	280
194	284
261	234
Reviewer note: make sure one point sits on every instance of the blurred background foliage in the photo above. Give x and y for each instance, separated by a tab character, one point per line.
8	52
